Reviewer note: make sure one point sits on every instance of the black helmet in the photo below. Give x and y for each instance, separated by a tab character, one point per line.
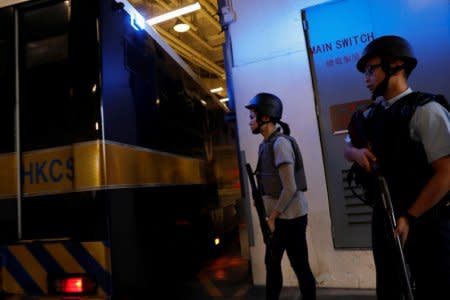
388	46
266	104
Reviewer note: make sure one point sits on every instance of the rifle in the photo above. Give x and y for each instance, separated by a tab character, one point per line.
387	204
259	204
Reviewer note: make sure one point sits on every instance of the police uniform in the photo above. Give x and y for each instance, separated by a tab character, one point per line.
290	226
281	181
406	142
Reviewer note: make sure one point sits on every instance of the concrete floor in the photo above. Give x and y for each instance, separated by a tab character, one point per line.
228	277
291	293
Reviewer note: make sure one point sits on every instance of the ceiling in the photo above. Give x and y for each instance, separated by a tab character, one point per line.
201	46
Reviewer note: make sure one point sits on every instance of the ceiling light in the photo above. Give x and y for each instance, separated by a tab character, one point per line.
216	90
174	13
224	100
181	27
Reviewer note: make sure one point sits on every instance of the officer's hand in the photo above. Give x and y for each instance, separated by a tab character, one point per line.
402	229
365	158
271	223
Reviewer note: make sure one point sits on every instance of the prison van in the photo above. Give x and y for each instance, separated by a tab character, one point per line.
107	156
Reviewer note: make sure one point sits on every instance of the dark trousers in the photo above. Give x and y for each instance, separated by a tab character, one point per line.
289	236
388	277
427	253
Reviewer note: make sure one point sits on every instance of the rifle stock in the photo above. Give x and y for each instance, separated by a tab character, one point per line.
259	205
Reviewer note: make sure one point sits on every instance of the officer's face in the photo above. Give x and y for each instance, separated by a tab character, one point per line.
373	74
253	122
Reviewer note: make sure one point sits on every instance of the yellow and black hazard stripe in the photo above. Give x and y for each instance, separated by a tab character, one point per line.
26	267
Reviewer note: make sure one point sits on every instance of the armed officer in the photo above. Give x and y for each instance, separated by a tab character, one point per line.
408	139
281	181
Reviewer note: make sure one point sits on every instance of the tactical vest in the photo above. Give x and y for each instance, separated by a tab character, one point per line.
269	181
401	160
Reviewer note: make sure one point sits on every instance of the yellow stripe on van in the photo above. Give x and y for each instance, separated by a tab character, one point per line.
64	258
97	165
9	284
47	171
128	165
88	165
99	252
35	269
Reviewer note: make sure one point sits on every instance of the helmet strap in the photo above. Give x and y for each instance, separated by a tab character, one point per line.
396	69
257	130
382	86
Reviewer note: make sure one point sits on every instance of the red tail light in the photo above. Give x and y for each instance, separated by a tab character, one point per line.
73	285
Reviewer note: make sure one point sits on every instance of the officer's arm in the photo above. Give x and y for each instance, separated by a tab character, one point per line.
349	152
435	189
363	157
431	194
432	127
356	142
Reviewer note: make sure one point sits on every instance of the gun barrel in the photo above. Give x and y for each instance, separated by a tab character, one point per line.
259	205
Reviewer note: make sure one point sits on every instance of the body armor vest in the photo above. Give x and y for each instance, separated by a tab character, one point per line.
269	181
401	160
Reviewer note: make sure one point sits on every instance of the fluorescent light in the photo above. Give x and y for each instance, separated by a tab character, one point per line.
224	100
174	13
216	90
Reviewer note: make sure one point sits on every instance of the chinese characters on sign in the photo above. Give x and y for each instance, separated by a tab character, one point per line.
340	60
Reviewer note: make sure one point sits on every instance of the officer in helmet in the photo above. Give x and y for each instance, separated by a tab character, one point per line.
408	140
282	182
388	49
